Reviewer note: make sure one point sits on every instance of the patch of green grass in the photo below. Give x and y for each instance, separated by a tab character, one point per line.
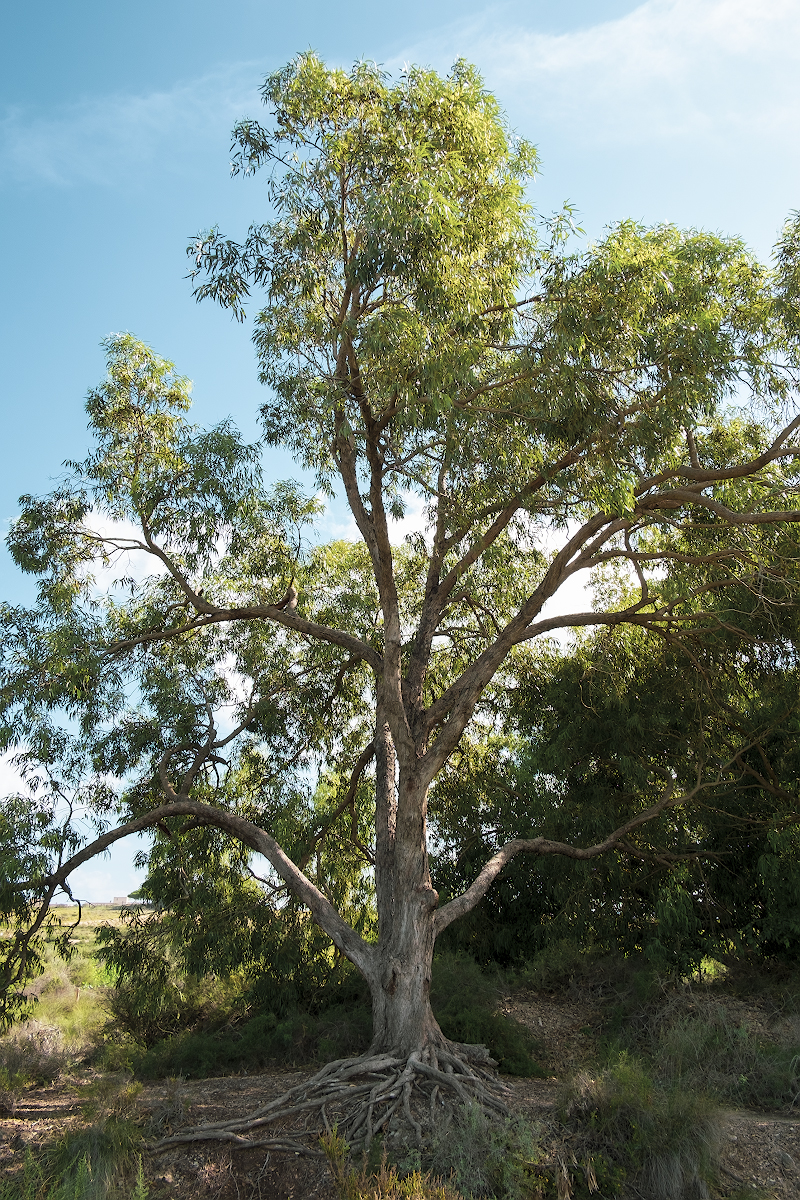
70	995
711	1048
100	1161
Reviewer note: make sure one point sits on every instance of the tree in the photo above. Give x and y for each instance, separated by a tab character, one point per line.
587	737
555	411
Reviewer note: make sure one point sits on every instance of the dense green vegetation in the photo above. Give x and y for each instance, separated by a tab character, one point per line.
642	1110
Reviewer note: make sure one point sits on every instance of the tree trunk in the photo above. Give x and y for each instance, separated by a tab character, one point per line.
402	1019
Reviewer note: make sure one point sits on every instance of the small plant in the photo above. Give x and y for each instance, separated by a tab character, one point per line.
662	1140
140	1190
484	1156
382	1183
170	1111
38	1055
11	1086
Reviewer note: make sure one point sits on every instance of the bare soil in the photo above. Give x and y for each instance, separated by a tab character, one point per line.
760	1150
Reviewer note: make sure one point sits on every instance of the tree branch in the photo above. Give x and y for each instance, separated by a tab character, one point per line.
461	905
342	935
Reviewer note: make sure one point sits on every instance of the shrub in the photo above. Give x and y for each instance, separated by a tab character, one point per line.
463	1000
254	1044
485	1156
35	1056
384	1183
662	1140
707	1043
710	1048
150	1015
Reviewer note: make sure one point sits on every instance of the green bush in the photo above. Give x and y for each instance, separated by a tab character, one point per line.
463	1001
710	1047
253	1045
703	1042
563	963
149	1016
662	1140
485	1156
205	1036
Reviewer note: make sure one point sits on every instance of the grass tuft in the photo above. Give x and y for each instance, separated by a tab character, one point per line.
384	1183
661	1139
487	1157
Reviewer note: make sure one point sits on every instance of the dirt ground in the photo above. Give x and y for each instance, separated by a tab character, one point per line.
762	1151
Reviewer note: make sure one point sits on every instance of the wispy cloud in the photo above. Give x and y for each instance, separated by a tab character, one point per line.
127	139
669	69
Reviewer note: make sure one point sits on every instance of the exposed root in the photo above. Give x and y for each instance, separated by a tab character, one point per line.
399	1098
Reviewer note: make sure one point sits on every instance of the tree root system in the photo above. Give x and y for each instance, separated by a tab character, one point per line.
400	1099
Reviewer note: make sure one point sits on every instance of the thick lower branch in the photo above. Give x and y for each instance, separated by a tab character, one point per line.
461	905
360	953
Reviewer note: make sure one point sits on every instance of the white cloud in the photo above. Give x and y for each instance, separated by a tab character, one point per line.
11	782
134	564
110	874
669	69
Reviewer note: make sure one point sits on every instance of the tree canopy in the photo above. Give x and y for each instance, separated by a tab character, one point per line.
624	411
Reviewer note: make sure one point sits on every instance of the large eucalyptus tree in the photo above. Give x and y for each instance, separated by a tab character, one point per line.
629	407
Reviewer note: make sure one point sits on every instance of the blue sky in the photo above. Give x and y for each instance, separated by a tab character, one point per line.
114	139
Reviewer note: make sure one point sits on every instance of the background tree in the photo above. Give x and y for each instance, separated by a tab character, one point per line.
554	411
588	737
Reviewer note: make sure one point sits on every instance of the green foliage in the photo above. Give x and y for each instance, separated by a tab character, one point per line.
464	1003
704	1043
218	1027
593	734
661	1139
485	1156
260	1042
424	339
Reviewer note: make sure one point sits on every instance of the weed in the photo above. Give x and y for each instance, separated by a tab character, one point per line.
140	1190
381	1183
170	1112
35	1056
